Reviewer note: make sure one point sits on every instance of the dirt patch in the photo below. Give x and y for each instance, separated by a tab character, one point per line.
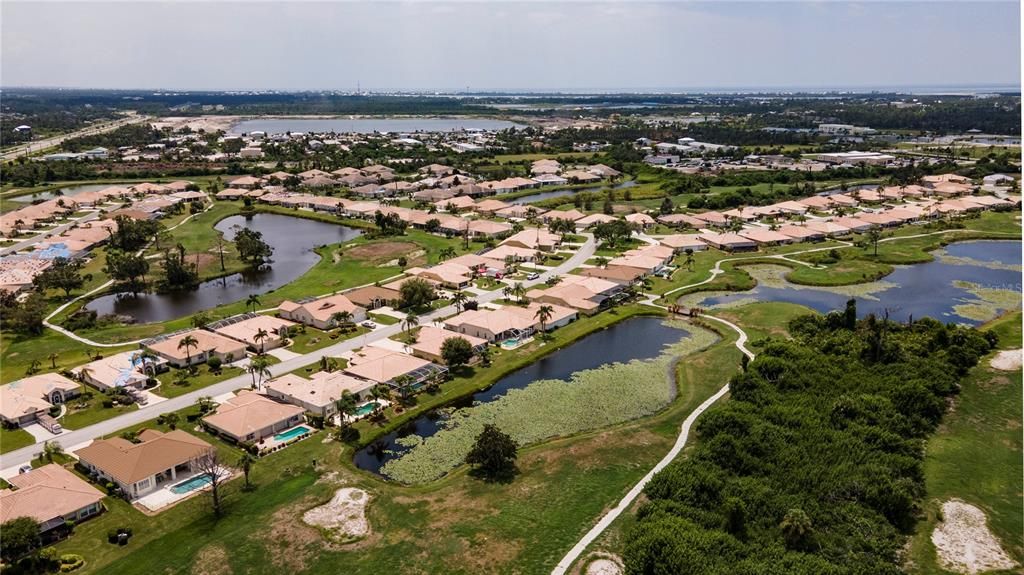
1008	360
344	515
964	543
381	252
211	560
289	542
606	565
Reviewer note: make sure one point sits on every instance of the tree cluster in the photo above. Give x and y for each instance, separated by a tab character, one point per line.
814	465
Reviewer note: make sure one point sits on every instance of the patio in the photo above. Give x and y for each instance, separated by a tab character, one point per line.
165	496
287	437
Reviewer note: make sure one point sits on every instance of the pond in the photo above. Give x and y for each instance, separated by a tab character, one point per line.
934	289
562	193
69	191
634	338
368	125
293	240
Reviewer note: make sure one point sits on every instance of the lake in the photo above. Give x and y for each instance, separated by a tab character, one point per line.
918	290
562	193
634	338
368	125
293	240
70	191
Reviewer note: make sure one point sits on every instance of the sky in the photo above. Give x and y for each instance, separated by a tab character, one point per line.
478	46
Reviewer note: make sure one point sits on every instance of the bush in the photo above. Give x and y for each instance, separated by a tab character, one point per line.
70	562
214	363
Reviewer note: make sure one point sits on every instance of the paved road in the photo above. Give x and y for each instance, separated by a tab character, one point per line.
69	439
684	434
40	145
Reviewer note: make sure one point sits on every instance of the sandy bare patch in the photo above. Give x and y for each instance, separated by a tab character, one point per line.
211	560
1008	360
607	565
381	251
344	514
290	544
964	543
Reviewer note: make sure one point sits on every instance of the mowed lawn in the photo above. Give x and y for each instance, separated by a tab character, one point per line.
455	525
976	456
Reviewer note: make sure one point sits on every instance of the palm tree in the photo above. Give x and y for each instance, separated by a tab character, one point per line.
53	359
410	321
246	461
601	261
544	314
171	419
459	298
188	342
796	527
341	318
261	338
507	292
345	406
252	301
204	403
33	366
84	373
689	258
52	449
447	253
873	237
519	291
259	366
181	377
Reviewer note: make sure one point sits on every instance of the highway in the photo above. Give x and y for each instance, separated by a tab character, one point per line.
72	438
53	142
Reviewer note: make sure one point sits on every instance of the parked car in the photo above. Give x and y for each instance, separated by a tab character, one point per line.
369	324
532	275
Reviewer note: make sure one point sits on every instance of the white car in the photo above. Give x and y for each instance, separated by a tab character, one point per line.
369	324
532	275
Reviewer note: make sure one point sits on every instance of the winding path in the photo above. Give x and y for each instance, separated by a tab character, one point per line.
684	434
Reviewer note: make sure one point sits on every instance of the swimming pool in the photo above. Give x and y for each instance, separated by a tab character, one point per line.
366	408
197	482
291	433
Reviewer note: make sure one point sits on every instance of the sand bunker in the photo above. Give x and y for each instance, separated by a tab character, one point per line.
345	513
1008	360
606	565
964	543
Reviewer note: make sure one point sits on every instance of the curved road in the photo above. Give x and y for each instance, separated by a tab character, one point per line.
70	438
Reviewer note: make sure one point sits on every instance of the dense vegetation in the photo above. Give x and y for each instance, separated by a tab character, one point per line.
815	464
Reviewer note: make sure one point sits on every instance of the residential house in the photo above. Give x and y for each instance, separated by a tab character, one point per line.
50	495
208	344
729	242
141	468
430	340
318	394
249	417
320	312
586	294
248	331
373	297
23	401
125	369
392	368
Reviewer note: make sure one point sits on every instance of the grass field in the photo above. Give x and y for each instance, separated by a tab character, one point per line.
455	525
976	456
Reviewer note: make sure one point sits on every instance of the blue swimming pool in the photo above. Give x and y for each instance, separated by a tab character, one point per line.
197	482
291	433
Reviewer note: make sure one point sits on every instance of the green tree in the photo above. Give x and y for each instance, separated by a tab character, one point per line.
188	342
251	248
21	538
63	274
456	352
416	293
261	338
246	461
128	269
258	367
493	454
874	235
543	315
459	298
253	301
796	528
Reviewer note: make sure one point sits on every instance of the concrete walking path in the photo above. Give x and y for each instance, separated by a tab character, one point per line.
684	434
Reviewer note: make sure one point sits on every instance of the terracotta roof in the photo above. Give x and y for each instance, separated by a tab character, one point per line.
46	493
131	462
250	412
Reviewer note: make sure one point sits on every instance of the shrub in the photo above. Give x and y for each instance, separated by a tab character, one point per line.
70	562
